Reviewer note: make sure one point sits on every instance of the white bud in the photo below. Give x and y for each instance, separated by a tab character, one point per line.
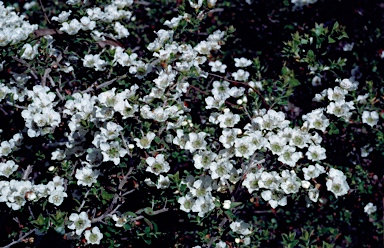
227	204
239	101
237	240
131	146
184	123
51	168
305	184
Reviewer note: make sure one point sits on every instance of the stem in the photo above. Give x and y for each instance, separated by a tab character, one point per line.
20	239
246	85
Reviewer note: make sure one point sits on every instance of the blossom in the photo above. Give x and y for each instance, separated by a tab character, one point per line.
86	176
163	182
240	75
56	197
316	153
71	28
80	222
120	221
228	119
186	202
241	227
242	62
6	169
29	52
196	142
94	61
157	165
336	182
217	66
370	208
145	141
370	118
94	236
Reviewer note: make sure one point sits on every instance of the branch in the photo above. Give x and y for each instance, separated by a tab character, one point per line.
20	239
246	85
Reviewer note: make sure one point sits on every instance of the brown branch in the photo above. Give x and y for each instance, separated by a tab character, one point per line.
237	83
20	239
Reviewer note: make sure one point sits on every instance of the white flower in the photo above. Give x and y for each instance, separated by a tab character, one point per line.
336	182
204	159
112	151
240	75
93	237
313	171
242	62
157	165
121	31
163	182
196	142
94	61
276	144
289	156
313	194
241	227
228	137
217	66
336	94
86	176
29	51
145	141
72	28
251	182
56	197
120	221
174	22
370	208
87	24
6	169
186	202
348	85
269	180
244	147
63	16
316	153
196	5
80	222
203	205
228	119
227	204
221	170
370	118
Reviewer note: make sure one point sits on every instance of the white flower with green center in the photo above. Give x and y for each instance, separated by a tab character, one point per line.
204	159
196	142
229	136
228	119
80	222
269	180
316	153
145	141
112	151
251	182
220	90
186	202
120	221
221	170
276	144
163	182
56	197
6	169
94	236
86	176
289	156
370	118
313	171
157	165
244	147
337	182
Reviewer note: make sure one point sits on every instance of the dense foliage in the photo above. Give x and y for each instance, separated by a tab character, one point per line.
191	123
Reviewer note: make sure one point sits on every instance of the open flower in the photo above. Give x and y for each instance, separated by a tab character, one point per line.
93	237
80	222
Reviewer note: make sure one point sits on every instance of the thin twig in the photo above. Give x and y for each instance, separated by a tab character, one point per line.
43	9
33	71
243	84
20	239
27	172
82	204
153	213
